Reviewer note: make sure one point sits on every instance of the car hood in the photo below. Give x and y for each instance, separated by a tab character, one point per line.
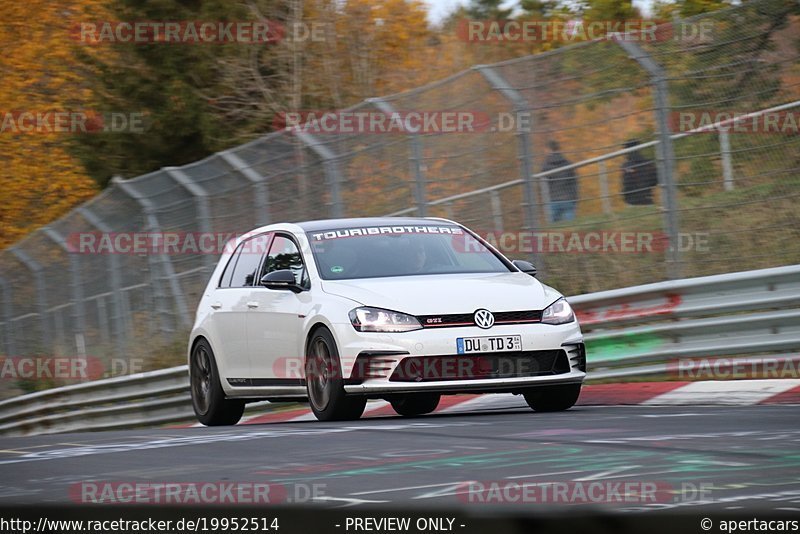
447	293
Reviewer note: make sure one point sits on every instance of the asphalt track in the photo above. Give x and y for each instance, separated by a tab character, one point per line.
713	458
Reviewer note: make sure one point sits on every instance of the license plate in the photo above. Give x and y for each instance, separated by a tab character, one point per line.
468	345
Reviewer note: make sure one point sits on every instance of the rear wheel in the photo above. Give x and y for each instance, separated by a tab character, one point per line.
415	404
325	383
208	400
553	398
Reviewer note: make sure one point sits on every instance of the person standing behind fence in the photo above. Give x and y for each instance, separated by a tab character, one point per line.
639	177
562	185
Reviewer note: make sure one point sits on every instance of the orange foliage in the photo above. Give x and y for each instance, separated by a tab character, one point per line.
39	180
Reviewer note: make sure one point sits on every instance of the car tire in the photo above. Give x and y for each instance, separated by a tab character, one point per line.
208	399
553	398
415	404
324	381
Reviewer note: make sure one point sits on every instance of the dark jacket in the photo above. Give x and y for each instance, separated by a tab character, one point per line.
639	177
562	185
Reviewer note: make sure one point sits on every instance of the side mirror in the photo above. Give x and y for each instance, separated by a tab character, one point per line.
281	279
525	266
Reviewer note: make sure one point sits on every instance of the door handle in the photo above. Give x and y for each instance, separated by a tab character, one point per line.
252	304
216	305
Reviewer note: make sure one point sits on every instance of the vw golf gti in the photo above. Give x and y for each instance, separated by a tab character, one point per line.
337	312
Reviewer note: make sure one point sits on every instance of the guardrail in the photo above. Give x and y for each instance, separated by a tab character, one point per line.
626	331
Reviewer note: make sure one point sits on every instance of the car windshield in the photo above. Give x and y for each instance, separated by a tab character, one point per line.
379	251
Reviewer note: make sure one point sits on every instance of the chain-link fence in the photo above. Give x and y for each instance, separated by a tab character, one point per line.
610	142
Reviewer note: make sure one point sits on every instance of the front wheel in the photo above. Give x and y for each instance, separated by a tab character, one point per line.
553	398
208	400
325	383
415	404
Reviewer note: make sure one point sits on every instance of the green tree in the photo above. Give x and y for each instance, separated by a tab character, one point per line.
166	82
666	10
488	10
542	9
608	10
689	8
732	70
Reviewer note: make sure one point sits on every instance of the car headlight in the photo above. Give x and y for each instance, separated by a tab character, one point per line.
559	312
379	320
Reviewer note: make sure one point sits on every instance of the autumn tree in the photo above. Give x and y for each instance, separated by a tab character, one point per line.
39	179
333	55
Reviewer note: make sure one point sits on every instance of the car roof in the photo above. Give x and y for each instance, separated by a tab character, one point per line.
337	224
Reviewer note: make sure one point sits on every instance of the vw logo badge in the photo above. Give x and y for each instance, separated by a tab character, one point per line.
484	318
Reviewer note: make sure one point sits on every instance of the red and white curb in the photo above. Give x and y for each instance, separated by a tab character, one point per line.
729	392
710	392
707	392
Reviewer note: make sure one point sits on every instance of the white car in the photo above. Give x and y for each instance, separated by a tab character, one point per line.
336	312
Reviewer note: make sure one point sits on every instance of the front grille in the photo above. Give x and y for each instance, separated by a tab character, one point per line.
516	317
481	366
468	319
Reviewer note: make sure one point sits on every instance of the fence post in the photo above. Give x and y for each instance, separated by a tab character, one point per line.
159	262
102	319
76	286
58	336
727	164
260	184
41	294
414	160
665	152
10	331
332	174
529	181
201	201
448	211
497	211
114	269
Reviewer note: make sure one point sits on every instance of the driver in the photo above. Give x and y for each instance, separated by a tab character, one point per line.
417	256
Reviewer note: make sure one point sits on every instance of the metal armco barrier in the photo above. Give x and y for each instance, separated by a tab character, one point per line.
745	313
632	332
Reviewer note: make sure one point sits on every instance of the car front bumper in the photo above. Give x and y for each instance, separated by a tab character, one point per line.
489	385
392	349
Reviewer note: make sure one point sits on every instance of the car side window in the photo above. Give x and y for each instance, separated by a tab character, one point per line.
249	258
227	274
284	254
